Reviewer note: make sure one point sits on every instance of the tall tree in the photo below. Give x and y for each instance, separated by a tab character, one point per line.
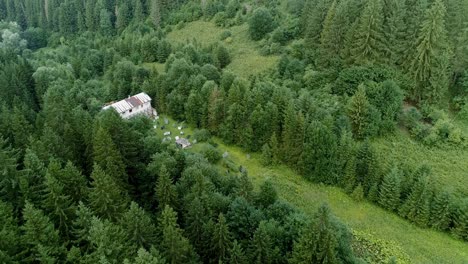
369	44
318	243
106	197
417	206
108	157
174	246
429	63
41	237
138	226
359	113
165	190
221	240
390	190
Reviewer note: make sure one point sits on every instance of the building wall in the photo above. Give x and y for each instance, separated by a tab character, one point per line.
142	109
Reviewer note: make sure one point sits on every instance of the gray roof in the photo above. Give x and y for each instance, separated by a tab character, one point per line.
129	103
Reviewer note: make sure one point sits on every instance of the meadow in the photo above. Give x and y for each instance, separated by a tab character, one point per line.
389	234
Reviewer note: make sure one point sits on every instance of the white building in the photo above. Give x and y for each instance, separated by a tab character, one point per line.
139	104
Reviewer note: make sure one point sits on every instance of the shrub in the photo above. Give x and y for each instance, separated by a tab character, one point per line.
211	153
261	23
225	34
201	135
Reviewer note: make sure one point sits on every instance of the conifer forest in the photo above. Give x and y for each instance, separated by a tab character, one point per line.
263	131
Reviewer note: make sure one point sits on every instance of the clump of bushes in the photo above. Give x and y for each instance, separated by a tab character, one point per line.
201	135
212	154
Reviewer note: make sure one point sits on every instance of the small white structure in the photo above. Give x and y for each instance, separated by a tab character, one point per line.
183	143
167	133
139	104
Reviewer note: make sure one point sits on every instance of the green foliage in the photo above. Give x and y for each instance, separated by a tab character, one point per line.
261	23
389	196
107	199
165	190
174	246
358	193
212	154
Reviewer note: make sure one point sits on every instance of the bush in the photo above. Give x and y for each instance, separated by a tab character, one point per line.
261	23
201	135
226	34
211	153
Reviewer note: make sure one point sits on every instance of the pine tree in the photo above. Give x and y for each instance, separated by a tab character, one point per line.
428	63
359	112
74	182
9	233
314	14
349	181
390	190
267	156
318	242
155	12
395	13
369	41
108	158
367	171
138	11
165	190
9	185
108	241
123	17
460	228
40	236
267	194
293	135
105	23
262	250
245	188
441	211
236	254
89	15
138	226
358	193
319	155
196	217
107	199
221	240
145	257
81	227
174	246
417	206
58	204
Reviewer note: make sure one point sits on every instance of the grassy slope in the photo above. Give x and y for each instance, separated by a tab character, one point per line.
421	245
449	166
244	53
401	237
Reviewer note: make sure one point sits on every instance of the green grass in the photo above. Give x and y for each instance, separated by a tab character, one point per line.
160	67
395	235
449	166
246	59
405	239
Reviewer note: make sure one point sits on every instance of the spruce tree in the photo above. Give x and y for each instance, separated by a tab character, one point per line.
40	236
267	158
174	246
197	216
389	196
359	113
221	240
262	248
319	154
417	206
145	257
236	254
138	226
358	193
81	226
318	242
441	210
369	39
428	64
10	242
460	228
123	17
107	199
59	205
165	189
395	13
155	12
108	158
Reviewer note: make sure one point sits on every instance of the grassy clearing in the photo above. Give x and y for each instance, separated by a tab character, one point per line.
392	233
449	166
160	67
405	239
246	60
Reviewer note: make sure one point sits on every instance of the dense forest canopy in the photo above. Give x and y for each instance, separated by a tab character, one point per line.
82	185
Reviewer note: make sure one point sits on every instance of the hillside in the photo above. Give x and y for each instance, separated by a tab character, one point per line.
234	131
